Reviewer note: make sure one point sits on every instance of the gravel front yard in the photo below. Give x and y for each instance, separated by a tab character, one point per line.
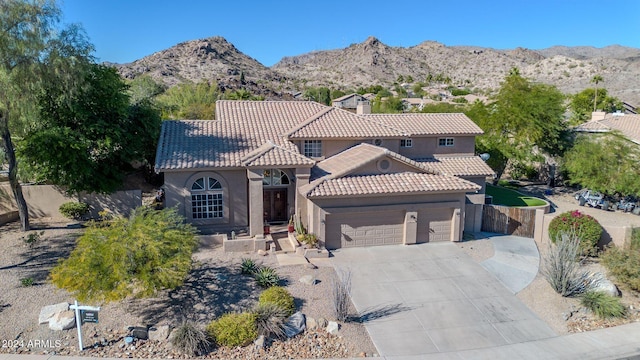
213	288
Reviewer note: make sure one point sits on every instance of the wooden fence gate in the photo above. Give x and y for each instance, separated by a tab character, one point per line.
509	220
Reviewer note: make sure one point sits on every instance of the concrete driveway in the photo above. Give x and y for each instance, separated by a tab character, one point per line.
433	298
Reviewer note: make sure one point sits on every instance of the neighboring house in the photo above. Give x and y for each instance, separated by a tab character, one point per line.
353	180
353	102
627	124
413	103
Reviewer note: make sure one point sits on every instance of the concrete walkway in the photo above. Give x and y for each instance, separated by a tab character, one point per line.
434	299
515	261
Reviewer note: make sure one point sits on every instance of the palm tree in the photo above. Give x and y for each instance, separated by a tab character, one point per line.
596	79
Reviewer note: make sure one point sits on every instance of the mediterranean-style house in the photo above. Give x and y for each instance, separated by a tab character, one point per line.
352	179
627	124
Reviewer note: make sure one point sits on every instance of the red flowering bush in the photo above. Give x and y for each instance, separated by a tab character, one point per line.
585	227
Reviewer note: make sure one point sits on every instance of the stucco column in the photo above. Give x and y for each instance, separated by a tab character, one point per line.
455	227
302	179
256	206
410	233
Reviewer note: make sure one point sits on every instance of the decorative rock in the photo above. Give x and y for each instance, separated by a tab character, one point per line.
332	328
258	344
322	322
262	253
294	325
47	312
311	323
140	332
308	279
63	320
604	285
159	333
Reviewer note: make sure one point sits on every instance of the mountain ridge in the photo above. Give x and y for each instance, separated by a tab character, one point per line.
372	62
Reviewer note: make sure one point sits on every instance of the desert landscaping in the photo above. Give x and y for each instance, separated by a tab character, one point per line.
216	286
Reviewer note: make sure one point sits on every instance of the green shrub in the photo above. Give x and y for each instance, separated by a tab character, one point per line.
270	319
279	296
74	210
624	265
248	266
26	282
234	329
603	305
190	340
585	227
149	251
267	277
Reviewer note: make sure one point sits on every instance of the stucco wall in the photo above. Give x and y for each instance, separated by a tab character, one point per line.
373	168
611	234
177	187
427	146
45	200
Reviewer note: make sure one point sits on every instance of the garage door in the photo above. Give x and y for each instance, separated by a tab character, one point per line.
364	229
434	225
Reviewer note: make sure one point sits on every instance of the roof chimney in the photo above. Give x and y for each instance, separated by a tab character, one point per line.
363	107
598	115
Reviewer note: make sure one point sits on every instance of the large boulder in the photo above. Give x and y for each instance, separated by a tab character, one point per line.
159	332
63	320
602	284
49	311
332	328
295	324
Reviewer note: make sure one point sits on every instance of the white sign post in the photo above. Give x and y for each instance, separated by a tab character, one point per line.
93	318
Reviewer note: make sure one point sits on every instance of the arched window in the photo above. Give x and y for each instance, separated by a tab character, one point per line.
274	177
206	198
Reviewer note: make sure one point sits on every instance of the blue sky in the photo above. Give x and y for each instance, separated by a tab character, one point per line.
127	30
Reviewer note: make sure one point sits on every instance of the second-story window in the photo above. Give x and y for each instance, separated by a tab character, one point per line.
406	143
445	142
312	148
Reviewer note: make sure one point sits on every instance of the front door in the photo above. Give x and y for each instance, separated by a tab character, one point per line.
275	205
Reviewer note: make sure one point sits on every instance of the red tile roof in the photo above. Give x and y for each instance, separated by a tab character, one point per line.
413	124
458	165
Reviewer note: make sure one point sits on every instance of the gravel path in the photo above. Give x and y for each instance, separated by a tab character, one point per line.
214	287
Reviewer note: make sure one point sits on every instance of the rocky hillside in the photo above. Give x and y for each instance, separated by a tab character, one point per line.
372	62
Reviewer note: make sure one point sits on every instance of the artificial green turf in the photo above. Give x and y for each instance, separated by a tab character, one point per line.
508	197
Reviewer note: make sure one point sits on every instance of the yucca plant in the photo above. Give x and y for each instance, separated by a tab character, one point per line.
267	277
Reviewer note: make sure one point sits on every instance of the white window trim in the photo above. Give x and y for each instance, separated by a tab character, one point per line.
211	195
448	142
407	143
312	148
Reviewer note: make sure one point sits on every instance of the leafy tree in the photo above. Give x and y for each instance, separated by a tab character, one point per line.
336	93
417	89
606	163
390	104
87	138
144	88
580	104
189	101
149	251
408	79
524	121
321	95
32	46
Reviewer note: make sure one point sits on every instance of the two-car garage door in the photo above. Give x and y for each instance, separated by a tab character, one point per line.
364	229
385	227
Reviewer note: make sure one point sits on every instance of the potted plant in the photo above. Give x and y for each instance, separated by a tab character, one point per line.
291	228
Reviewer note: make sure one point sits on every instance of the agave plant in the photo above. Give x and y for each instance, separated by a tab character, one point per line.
267	277
248	266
